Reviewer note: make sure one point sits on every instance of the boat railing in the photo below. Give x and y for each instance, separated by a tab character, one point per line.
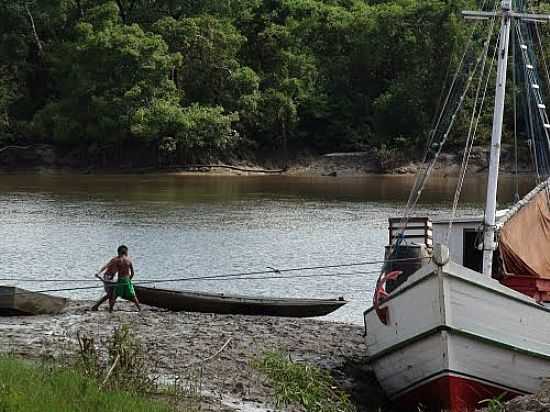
418	231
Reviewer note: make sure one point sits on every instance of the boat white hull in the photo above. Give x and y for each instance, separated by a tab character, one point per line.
454	338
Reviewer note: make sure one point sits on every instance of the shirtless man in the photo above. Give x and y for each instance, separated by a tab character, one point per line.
122	265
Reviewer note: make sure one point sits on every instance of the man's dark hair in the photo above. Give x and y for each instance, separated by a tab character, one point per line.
122	250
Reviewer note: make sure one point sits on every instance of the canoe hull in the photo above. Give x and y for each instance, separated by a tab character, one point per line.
187	301
455	338
15	302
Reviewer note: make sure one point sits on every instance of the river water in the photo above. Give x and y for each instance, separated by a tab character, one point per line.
66	226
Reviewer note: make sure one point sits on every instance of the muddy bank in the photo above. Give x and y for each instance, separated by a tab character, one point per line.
179	341
539	402
16	158
373	162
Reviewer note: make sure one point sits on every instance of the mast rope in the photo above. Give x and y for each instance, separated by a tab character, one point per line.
542	148
514	104
425	172
474	122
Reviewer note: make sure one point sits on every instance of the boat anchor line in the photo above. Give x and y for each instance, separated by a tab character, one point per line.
230	276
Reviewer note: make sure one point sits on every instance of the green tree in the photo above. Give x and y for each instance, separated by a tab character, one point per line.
103	77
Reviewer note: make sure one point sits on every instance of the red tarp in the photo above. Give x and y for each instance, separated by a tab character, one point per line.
524	240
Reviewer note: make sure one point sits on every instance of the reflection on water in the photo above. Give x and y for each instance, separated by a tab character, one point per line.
66	226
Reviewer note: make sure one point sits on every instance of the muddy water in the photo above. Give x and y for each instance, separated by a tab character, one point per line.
63	226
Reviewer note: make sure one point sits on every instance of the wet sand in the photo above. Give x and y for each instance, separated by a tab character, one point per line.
179	341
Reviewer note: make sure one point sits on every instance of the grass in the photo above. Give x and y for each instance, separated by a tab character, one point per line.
29	388
303	384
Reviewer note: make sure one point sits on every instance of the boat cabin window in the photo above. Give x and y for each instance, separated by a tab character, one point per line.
472	256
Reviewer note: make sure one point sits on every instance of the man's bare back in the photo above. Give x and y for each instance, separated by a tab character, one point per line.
124	266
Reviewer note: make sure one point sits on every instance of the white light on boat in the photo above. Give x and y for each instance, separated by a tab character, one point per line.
541	106
530	67
524	46
535	86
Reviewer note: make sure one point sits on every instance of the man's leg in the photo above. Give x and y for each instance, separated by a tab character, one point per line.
99	302
136	302
112	300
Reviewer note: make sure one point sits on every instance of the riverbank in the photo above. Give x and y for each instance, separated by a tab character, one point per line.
354	164
181	343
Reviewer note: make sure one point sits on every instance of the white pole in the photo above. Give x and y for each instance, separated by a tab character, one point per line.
492	181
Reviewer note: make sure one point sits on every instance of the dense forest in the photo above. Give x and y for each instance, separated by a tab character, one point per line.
191	80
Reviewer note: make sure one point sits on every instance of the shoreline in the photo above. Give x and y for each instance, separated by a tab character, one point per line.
179	340
45	159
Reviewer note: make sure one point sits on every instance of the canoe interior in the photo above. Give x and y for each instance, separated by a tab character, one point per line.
15	301
189	301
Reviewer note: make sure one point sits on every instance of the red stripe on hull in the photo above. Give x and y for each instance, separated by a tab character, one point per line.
450	393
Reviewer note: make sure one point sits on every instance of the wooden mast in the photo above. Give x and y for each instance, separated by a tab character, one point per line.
507	15
489	243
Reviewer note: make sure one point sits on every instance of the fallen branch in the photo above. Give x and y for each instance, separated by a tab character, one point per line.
201	361
240	169
14	147
110	370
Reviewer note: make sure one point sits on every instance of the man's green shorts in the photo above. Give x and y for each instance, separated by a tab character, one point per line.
124	289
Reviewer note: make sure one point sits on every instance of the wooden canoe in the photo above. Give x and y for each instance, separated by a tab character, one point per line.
188	301
15	301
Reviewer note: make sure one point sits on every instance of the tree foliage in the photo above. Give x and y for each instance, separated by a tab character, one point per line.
221	75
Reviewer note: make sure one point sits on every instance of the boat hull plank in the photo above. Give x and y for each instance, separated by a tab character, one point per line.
470	327
456	393
187	301
487	308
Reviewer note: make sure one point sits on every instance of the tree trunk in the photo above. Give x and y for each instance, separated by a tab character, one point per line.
34	32
285	142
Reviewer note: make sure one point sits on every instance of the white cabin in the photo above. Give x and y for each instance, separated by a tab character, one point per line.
466	239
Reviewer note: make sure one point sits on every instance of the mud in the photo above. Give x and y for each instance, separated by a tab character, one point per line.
179	342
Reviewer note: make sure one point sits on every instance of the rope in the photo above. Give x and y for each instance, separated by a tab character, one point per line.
222	277
531	79
514	104
424	174
435	126
474	122
320	275
261	272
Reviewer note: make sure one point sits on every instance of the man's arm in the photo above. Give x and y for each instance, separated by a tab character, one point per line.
104	268
131	270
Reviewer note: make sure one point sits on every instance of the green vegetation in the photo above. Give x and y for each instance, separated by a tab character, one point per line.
28	388
494	405
166	81
303	384
115	375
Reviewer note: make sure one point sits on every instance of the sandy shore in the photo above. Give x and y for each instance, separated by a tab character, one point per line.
177	340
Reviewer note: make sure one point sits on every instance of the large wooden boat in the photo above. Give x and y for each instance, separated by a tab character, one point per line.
189	301
15	301
451	338
474	323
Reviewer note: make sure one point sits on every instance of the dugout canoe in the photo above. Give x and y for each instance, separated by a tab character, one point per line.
16	301
189	301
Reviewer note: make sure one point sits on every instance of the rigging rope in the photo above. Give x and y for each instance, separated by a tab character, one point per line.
474	122
539	131
514	103
425	172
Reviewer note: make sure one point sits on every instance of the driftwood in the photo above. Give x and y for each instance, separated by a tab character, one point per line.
240	169
201	361
110	370
3	149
